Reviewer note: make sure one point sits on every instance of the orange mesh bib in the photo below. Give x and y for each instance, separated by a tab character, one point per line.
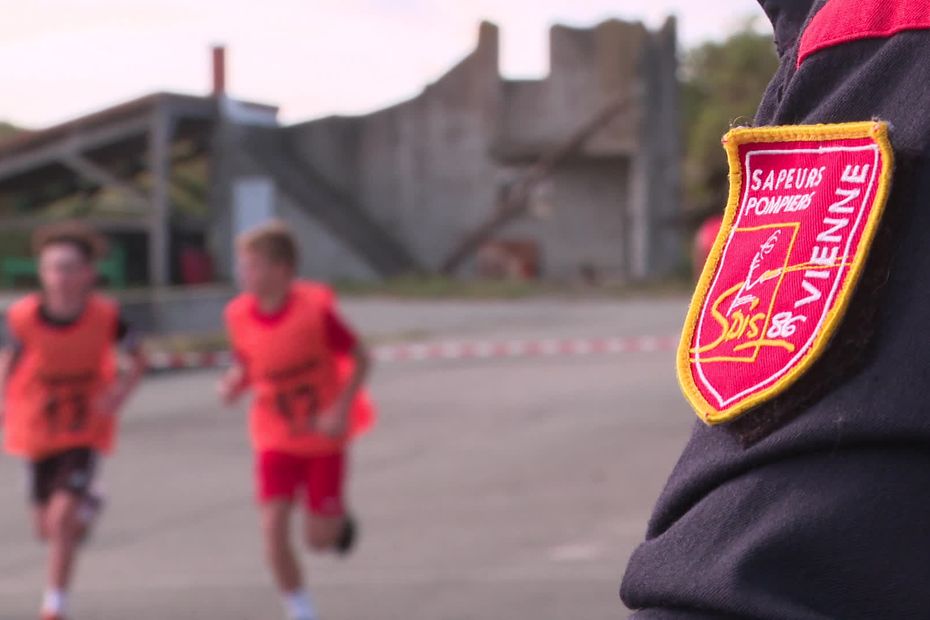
295	375
59	376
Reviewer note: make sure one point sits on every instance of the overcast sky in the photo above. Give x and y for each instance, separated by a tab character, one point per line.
63	58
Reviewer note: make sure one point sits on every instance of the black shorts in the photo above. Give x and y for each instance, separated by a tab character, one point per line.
71	471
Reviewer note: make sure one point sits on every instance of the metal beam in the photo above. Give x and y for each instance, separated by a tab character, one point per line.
28	224
181	106
81	141
159	157
103	177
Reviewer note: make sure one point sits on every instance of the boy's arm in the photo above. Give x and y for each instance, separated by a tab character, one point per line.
361	367
9	349
335	421
235	382
130	368
6	365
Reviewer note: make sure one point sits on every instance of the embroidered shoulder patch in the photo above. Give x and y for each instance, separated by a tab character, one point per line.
804	205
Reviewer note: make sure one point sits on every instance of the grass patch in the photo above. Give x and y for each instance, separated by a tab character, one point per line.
186	343
447	288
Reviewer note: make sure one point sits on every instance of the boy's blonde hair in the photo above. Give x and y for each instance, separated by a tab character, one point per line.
91	244
273	240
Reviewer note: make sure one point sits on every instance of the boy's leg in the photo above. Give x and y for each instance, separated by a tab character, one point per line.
40	521
328	526
324	533
92	506
39	477
63	538
276	526
71	479
278	476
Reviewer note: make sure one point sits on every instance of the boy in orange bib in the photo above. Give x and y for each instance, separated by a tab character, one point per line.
306	369
62	389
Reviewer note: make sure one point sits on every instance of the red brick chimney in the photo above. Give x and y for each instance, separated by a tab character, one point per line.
219	70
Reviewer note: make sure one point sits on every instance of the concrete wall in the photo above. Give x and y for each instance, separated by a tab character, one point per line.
429	170
421	168
658	160
322	256
331	145
582	223
339	240
589	68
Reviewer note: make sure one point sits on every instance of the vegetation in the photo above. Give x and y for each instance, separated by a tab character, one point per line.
437	287
722	84
7	130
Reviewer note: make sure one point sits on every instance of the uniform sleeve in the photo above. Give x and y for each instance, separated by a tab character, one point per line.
339	336
815	504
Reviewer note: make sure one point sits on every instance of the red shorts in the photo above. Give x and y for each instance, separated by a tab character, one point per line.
318	479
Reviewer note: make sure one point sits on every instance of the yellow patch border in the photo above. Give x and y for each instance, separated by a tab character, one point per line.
877	131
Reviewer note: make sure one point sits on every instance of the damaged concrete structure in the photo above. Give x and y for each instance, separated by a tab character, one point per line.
395	191
418	176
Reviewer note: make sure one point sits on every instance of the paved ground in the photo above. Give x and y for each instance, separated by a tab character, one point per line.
491	489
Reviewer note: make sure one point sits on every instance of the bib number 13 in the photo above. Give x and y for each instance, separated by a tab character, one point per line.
299	406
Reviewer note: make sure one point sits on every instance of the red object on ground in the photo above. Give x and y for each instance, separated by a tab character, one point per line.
704	241
196	266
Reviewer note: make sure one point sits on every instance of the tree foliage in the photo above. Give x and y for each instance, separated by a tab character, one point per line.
723	82
7	130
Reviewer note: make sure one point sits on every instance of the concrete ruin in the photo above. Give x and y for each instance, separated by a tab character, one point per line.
393	192
427	171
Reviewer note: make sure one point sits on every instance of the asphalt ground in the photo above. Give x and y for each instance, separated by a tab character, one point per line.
491	489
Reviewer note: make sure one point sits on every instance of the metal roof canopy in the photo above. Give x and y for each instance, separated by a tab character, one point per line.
106	149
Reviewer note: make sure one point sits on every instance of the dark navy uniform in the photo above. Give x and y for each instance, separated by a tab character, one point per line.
817	504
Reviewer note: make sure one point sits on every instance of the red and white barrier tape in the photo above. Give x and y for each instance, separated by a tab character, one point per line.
522	348
423	352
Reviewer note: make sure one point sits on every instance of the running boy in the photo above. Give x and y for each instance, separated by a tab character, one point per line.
307	370
62	387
